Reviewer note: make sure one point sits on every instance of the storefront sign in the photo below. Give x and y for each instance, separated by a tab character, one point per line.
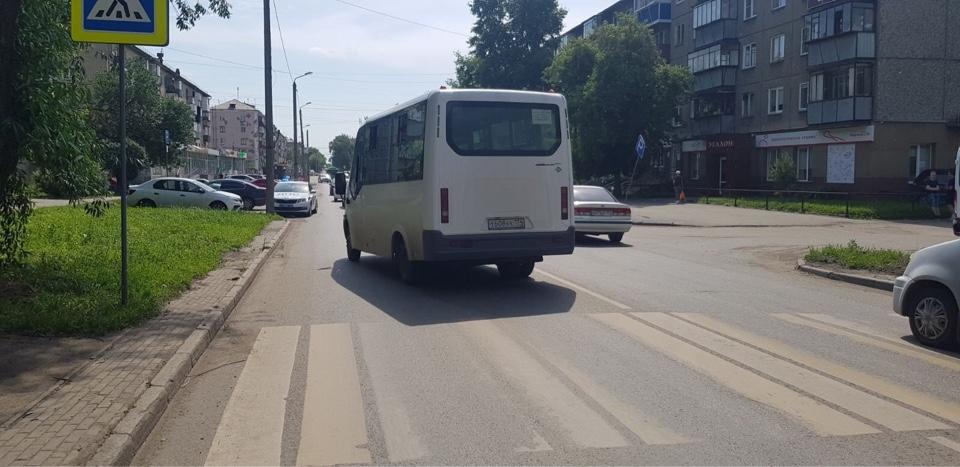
697	145
814	137
720	144
841	163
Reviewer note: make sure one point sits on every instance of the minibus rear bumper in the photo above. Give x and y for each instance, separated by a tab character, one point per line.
493	248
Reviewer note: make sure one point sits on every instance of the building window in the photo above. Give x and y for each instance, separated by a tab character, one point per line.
840	19
803	164
804	38
921	158
775	154
804	96
681	29
244	141
841	83
749	56
778	47
223	129
678	116
713	57
695	161
710	11
746	105
748	10
775	101
243	129
778	4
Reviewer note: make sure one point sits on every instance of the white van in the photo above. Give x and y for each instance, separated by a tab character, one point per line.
466	176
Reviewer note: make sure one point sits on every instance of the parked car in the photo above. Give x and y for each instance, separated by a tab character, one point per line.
203	181
251	194
597	212
181	192
245	178
325	178
295	198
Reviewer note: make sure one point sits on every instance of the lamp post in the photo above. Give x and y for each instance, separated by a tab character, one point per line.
295	159
303	156
306	148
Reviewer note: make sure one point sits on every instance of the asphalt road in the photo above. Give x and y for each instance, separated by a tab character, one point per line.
684	346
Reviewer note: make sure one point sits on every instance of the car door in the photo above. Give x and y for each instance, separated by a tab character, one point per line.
164	192
196	196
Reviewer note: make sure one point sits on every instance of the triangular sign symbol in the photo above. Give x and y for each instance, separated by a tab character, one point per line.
119	10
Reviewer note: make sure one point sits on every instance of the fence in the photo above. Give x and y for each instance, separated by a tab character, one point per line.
847	204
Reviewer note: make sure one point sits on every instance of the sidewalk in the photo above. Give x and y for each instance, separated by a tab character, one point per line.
108	401
50	203
665	212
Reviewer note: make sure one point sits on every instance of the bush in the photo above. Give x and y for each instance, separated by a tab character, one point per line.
853	256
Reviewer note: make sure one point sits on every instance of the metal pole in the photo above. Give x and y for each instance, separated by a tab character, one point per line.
308	147
124	185
296	160
304	164
268	97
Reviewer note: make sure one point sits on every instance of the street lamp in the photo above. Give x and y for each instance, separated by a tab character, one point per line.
303	155
305	141
295	120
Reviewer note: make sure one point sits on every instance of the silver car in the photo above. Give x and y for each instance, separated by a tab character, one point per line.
927	294
597	212
295	198
181	192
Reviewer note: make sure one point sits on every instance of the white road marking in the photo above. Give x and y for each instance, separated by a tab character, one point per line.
537	444
251	430
646	428
820	418
946	442
584	427
943	409
583	289
902	349
861	403
334	430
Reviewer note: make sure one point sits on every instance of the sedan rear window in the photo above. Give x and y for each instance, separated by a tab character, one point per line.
592	194
503	128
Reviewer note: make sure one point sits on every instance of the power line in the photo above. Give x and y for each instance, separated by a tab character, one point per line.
283	46
329	78
405	20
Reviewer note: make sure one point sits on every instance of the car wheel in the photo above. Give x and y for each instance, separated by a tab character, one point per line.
248	204
353	254
933	316
616	237
146	203
218	205
516	271
411	272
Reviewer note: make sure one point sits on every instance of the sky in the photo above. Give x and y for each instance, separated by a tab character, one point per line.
363	62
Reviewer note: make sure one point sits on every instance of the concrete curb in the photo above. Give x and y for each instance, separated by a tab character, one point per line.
125	439
865	281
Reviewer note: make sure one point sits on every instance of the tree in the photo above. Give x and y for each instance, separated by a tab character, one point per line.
317	160
43	110
513	42
617	86
341	152
784	172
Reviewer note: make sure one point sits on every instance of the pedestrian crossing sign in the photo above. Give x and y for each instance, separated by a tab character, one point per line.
135	22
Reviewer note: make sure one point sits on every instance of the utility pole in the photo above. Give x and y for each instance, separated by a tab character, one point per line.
124	183
296	159
308	147
268	91
303	154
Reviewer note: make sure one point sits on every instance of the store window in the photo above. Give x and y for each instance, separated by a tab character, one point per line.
696	161
803	164
921	158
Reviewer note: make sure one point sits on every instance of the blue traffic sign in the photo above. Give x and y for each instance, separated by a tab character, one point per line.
141	22
641	147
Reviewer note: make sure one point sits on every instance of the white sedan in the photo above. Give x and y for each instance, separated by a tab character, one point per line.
927	294
597	212
295	198
181	192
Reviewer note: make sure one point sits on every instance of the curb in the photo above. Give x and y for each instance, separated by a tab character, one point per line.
874	283
121	445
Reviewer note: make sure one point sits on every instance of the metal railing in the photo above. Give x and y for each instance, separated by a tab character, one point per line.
847	200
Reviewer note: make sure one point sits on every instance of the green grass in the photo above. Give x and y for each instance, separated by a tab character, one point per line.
69	283
856	257
884	210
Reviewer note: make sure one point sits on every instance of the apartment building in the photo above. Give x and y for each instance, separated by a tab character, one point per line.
654	13
863	95
239	130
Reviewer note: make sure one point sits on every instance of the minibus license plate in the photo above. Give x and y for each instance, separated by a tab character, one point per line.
506	223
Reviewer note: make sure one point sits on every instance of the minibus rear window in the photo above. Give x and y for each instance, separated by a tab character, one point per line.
503	128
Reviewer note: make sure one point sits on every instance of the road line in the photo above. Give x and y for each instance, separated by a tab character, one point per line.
584	427
334	430
584	290
251	430
820	418
537	444
859	329
646	428
943	409
866	405
924	355
946	442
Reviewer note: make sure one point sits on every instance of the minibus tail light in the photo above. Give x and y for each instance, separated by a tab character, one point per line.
565	203
444	205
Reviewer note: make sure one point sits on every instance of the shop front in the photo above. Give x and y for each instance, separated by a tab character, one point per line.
718	163
824	159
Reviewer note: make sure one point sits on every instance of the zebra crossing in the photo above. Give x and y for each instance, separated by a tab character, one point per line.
349	418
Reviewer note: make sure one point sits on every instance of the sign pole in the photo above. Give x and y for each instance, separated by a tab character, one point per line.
124	295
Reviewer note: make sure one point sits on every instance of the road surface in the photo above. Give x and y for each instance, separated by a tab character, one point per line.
684	346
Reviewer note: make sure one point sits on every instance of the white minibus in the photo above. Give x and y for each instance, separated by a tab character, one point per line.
463	176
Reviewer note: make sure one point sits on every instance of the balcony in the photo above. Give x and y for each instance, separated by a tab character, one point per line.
714	78
852	46
716	32
713	125
656	12
849	109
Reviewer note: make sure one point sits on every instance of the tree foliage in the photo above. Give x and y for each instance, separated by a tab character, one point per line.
316	159
513	42
784	172
341	152
617	86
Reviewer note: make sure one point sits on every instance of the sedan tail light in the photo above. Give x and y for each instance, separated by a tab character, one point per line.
582	211
622	212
